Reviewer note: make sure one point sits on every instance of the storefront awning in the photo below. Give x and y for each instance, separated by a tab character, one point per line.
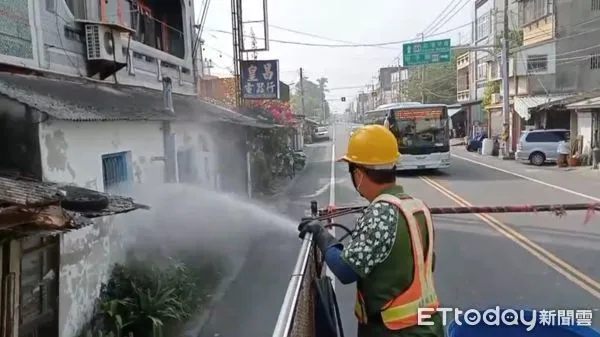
523	104
589	103
454	111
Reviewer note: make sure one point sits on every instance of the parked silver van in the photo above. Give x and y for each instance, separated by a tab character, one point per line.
540	146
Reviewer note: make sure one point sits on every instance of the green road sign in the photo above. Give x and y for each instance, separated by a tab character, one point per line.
426	52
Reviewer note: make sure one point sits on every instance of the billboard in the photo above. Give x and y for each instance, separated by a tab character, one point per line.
260	79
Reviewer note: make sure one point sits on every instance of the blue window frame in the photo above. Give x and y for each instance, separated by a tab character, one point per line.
116	169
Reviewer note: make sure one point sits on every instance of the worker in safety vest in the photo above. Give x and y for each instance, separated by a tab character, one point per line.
390	255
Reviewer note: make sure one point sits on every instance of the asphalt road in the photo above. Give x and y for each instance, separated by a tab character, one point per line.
477	266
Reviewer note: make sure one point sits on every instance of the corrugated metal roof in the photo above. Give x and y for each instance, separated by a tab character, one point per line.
83	100
523	104
587	103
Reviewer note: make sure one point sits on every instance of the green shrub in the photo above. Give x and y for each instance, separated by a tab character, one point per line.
153	297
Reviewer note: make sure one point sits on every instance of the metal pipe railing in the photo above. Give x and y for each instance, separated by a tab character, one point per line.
287	313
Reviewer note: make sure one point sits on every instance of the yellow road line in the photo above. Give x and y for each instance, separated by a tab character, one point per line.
582	280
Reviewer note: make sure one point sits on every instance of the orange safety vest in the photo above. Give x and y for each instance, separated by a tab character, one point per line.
402	311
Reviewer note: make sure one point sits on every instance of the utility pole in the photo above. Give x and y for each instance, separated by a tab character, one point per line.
302	90
505	78
399	81
423	72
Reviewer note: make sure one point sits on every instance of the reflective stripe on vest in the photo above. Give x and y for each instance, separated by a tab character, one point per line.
360	310
402	311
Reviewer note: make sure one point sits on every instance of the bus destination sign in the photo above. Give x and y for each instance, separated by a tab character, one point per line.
419	113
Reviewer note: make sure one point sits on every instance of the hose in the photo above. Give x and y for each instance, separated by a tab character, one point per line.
327	296
346	229
329	302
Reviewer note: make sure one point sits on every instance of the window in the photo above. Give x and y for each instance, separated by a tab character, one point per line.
483	26
482	71
116	169
77	8
595	5
547	136
537	63
533	10
595	60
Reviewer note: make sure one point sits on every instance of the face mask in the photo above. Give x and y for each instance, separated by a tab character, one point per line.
357	185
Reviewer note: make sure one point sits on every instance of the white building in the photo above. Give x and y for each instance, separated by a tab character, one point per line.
107	125
102	136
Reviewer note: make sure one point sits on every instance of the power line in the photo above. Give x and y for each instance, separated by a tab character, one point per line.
448	18
321	36
435	20
380	44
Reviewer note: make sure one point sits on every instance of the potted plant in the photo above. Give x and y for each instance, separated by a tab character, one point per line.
573	161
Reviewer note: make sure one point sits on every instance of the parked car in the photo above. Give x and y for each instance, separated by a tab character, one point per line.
540	146
321	133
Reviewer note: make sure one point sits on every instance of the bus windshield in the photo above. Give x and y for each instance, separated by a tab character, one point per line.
418	127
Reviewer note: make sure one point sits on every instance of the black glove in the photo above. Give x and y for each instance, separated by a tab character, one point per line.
321	237
309	225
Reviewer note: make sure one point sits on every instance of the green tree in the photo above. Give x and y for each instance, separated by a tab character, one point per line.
314	94
438	85
323	81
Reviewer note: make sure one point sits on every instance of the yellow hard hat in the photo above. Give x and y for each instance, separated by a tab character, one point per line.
374	146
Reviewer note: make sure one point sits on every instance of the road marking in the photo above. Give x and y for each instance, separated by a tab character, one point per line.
317	192
332	196
323	189
582	280
528	178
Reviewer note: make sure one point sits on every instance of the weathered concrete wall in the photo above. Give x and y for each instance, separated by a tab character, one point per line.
71	152
193	137
86	259
231	147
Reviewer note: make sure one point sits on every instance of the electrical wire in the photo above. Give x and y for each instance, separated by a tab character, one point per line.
379	44
570	36
322	37
448	16
452	16
435	20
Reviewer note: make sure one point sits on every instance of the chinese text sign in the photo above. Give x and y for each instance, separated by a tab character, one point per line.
260	79
419	113
426	52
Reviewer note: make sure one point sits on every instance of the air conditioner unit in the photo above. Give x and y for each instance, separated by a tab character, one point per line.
104	43
495	99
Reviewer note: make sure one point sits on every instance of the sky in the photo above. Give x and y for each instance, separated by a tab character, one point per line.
349	69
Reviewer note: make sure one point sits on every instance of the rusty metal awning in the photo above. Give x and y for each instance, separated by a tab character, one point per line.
524	104
51	206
